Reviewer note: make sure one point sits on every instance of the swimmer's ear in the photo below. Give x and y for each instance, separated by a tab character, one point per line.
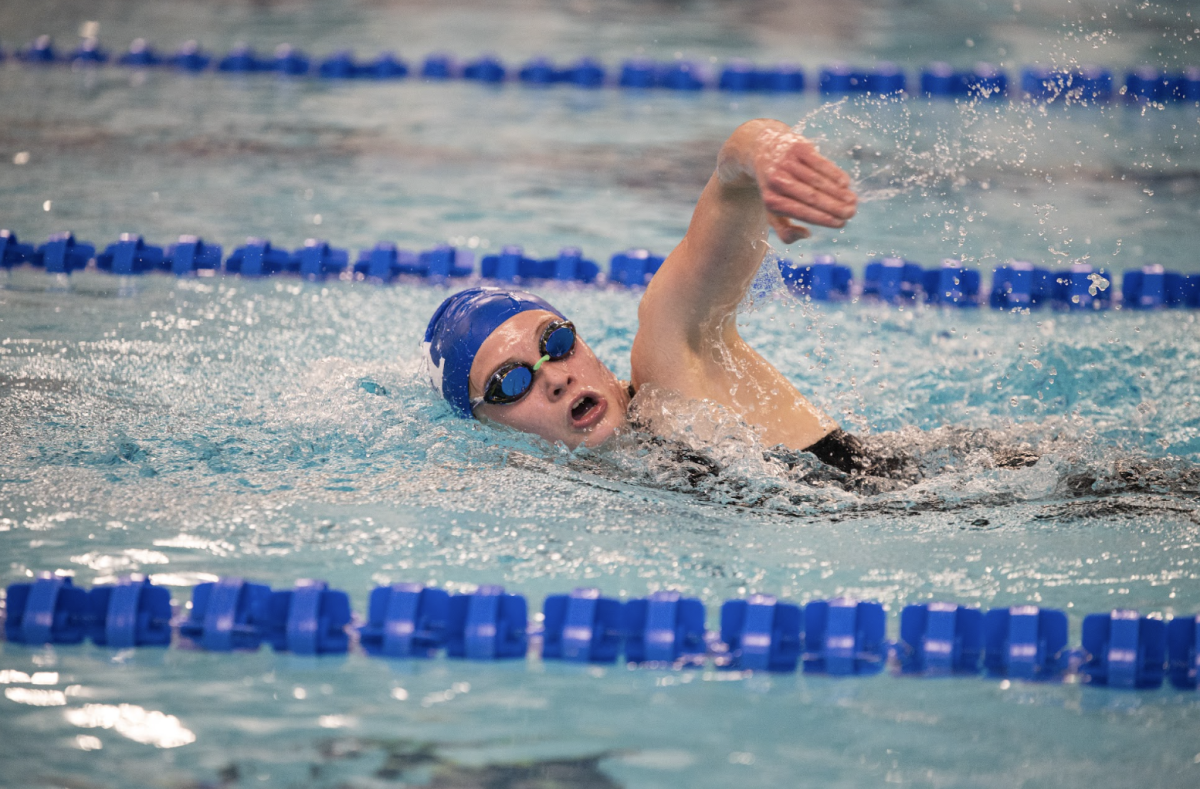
788	231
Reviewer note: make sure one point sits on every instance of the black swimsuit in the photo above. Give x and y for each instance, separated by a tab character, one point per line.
839	449
845	451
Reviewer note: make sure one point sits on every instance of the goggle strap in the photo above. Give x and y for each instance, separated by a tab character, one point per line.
540	362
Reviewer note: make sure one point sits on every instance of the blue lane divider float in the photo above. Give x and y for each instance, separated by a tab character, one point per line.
1089	83
190	255
844	636
385	66
822	280
634	267
664	628
1148	84
743	76
310	619
406	620
839	637
488	624
130	255
1151	287
317	260
62	254
938	79
190	58
1019	285
1183	651
14	253
1016	286
951	285
886	79
487	68
984	81
1124	649
140	55
257	258
762	633
439	66
893	280
384	262
940	638
512	265
583	626
130	613
1025	642
228	614
51	610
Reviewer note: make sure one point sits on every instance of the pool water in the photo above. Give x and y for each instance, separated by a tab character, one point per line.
278	430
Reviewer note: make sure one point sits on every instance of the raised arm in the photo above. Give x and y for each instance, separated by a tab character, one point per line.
766	177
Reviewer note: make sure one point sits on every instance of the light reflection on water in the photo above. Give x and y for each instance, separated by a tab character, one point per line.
149	727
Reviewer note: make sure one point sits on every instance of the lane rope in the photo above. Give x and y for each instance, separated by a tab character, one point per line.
1015	286
1085	84
840	637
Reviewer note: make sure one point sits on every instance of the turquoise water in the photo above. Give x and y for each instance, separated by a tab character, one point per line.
190	429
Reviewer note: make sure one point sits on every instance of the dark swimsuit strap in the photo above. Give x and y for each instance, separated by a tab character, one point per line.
843	451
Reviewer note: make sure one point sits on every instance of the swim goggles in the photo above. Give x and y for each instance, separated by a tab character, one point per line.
514	379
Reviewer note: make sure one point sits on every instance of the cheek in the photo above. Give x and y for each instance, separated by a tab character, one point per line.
530	415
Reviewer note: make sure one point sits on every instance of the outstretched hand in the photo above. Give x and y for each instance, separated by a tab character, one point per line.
797	184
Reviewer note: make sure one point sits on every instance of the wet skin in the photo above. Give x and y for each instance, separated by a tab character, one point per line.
576	400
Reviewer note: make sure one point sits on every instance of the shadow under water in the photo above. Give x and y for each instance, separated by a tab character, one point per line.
412	763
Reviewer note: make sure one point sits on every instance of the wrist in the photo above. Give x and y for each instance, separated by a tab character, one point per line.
737	163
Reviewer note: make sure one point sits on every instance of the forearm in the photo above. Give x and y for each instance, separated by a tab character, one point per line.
766	176
708	273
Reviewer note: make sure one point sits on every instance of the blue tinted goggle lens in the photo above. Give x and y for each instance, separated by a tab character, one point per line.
516	381
559	341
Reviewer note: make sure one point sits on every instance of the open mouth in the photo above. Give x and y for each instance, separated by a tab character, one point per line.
587	410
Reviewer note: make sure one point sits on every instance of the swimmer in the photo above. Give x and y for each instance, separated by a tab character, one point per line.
508	357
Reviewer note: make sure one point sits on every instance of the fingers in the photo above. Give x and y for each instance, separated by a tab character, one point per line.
799	183
819	180
805	153
788	196
787	231
793	209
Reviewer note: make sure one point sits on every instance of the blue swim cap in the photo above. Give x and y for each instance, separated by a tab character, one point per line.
457	330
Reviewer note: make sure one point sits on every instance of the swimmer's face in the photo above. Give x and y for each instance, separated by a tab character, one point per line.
575	400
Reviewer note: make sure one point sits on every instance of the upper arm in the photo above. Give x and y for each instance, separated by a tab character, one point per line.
698	287
692	299
766	176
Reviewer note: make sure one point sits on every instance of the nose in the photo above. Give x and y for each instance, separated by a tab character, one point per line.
557	380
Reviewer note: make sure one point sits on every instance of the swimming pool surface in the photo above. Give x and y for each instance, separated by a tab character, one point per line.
277	429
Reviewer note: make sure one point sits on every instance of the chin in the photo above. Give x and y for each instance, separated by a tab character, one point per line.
601	433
